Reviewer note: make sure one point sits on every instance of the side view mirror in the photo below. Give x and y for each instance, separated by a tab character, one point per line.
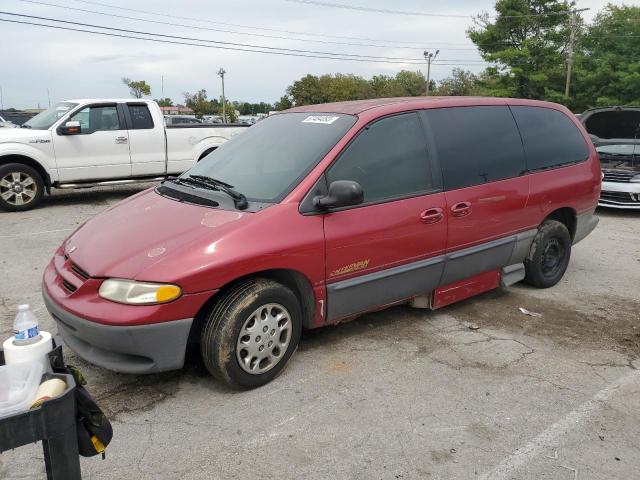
70	128
342	193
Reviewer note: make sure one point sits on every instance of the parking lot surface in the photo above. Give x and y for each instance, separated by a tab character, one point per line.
475	390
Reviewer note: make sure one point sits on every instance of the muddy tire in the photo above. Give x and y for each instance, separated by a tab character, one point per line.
251	332
549	255
21	187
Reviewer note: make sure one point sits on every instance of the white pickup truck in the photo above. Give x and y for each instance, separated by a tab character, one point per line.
96	142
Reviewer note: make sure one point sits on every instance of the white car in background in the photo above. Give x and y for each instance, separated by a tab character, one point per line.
95	142
615	132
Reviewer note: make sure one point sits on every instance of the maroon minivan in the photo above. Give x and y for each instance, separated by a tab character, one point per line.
319	214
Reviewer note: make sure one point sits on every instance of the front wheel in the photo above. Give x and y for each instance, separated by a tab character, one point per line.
21	187
251	333
549	255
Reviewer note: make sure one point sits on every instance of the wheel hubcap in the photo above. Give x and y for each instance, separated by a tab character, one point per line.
552	257
264	338
18	188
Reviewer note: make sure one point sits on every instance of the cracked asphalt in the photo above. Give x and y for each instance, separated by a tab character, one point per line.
474	390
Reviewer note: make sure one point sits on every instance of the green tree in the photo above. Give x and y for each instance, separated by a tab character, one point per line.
460	83
607	67
307	91
283	104
137	88
412	84
164	102
198	103
230	111
527	42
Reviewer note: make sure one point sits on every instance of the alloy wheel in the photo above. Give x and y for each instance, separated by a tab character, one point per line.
18	188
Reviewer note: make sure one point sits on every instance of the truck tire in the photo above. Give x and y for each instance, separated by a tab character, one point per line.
251	332
549	255
21	187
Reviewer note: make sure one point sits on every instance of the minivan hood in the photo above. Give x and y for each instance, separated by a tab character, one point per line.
143	230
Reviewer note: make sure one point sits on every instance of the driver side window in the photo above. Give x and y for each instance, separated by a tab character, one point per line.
388	159
97	118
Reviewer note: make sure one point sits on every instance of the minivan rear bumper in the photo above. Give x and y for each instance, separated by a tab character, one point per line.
136	349
585	224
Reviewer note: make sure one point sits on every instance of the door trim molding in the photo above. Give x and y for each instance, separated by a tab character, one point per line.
360	294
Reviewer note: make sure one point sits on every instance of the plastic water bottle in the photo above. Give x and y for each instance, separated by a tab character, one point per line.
25	327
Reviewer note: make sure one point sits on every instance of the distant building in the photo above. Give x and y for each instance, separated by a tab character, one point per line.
176	110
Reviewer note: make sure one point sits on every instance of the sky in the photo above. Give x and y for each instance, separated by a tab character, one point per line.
40	65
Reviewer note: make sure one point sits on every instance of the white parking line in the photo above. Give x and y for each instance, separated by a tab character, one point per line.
44	232
548	438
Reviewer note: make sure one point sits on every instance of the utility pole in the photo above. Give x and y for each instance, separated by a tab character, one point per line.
162	86
49	98
573	25
428	56
221	72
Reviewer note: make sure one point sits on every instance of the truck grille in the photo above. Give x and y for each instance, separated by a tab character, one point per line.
621	176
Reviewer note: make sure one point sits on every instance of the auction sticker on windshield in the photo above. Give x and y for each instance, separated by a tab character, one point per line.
326	119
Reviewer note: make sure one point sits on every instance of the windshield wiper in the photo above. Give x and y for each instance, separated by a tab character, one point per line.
25	126
239	200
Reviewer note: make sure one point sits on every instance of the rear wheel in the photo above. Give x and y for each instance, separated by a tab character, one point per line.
251	333
549	255
21	187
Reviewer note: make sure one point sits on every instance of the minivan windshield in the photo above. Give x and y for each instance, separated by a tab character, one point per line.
266	161
45	119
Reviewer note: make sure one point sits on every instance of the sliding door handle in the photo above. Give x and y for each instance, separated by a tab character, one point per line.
461	209
431	215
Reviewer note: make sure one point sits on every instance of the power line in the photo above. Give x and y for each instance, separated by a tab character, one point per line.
346	6
157	40
193	39
293	32
235	32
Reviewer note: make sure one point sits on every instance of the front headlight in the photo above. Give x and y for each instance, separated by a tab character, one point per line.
138	293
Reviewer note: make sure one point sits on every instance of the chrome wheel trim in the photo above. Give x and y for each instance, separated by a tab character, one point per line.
18	188
264	338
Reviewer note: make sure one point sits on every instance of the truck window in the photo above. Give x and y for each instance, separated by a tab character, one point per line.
97	118
550	139
476	145
388	159
140	117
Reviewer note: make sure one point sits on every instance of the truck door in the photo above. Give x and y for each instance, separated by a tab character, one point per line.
147	142
99	151
391	247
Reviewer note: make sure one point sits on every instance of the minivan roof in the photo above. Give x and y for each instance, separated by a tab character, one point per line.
358	106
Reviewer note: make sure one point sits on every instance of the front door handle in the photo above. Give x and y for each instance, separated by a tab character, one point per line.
121	139
431	215
461	209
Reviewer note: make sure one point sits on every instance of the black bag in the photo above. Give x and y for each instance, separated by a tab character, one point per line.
93	429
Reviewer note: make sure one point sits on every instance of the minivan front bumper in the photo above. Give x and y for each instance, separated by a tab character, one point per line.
151	348
620	195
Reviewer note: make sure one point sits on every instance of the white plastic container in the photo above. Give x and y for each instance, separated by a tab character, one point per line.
18	385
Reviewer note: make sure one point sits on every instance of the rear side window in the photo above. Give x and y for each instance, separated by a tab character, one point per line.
140	117
550	138
388	159
476	145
